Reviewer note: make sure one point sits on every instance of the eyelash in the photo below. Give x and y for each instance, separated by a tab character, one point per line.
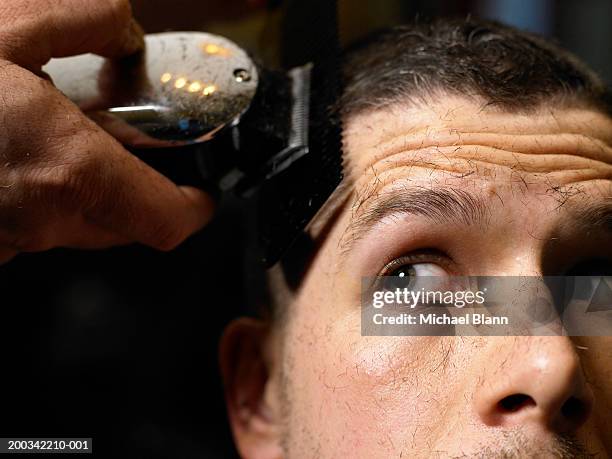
421	256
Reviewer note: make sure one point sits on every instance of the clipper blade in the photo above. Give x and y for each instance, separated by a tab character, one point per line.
288	201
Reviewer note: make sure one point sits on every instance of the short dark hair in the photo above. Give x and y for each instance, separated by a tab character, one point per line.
511	69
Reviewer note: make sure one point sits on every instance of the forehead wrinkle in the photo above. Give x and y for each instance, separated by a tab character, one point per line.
487	163
545	142
454	157
405	128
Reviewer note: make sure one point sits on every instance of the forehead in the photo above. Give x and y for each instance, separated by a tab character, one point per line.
534	162
457	142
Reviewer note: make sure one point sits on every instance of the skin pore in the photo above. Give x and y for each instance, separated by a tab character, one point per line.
524	194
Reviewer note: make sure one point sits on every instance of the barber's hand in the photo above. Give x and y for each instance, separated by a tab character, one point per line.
63	180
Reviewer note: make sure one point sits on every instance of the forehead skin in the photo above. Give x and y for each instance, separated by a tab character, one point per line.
354	396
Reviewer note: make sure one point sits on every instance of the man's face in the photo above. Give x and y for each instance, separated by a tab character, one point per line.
526	188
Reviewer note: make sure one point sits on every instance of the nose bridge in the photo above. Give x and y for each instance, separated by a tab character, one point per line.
523	258
529	303
533	380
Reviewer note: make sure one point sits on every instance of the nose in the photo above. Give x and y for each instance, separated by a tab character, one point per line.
534	380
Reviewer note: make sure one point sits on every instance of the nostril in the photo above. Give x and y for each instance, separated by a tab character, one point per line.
515	402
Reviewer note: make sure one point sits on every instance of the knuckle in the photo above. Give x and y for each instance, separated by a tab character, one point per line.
120	12
69	186
84	181
10	10
34	119
50	196
24	95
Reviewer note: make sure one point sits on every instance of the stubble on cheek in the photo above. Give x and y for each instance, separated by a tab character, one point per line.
380	396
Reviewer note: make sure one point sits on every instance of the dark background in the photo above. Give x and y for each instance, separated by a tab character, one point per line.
121	345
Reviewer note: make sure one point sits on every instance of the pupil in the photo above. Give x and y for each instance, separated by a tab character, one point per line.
404	272
400	278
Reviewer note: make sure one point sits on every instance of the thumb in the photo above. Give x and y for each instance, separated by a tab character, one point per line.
38	30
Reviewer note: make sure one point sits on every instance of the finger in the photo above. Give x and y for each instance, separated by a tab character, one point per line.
122	194
97	238
39	30
79	169
78	234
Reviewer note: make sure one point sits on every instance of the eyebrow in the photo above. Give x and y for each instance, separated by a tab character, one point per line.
448	205
440	205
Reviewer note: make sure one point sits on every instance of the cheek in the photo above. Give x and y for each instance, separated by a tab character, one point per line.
596	357
372	393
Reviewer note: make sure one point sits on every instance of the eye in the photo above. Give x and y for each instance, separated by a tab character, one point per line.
418	269
405	271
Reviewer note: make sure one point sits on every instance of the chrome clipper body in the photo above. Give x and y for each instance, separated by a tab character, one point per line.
196	107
